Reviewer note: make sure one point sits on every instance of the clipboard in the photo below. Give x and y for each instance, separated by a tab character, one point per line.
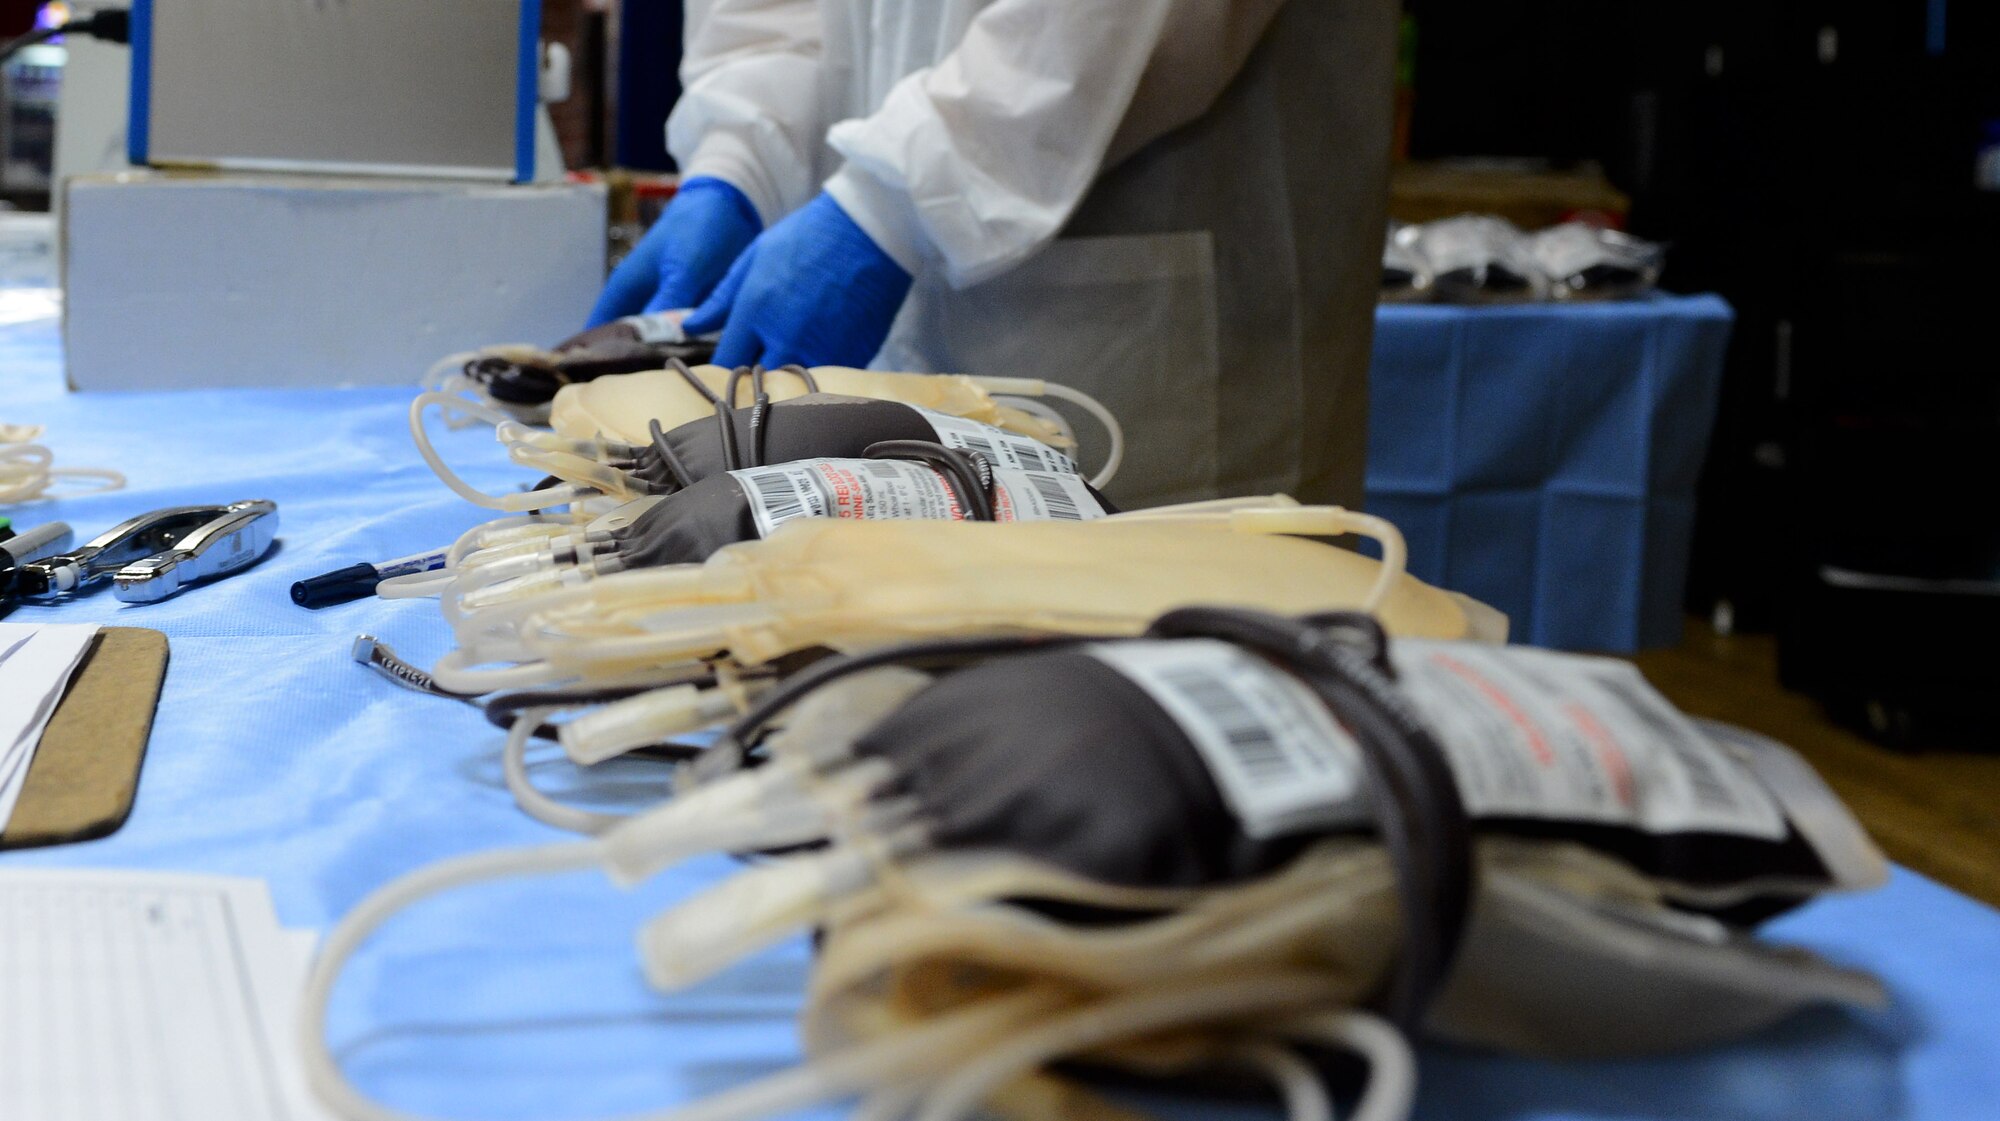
85	773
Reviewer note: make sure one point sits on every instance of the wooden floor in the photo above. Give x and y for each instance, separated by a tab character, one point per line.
1938	813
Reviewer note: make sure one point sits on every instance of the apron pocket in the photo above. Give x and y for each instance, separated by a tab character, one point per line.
1130	320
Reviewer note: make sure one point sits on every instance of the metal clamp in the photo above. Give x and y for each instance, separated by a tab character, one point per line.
235	539
154	555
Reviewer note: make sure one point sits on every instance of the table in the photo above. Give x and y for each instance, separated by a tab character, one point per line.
275	756
1543	457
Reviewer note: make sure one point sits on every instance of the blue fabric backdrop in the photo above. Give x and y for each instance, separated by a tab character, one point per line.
1542	458
275	756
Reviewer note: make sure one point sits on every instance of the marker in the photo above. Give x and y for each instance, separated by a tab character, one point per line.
357	581
26	547
45	540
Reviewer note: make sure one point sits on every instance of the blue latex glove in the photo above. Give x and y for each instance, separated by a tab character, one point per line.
706	225
812	289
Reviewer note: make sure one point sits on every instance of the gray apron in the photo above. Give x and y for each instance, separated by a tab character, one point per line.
1217	289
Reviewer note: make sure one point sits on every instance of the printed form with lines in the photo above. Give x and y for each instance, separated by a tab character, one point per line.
142	997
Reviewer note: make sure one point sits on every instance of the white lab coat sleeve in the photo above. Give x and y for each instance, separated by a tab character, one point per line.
749	108
974	163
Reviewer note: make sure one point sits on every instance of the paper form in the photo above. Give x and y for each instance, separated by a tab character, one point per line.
141	997
36	663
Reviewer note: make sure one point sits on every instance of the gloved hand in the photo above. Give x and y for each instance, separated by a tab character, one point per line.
812	289
707	225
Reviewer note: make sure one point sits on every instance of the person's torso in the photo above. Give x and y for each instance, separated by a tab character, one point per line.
870	45
1204	244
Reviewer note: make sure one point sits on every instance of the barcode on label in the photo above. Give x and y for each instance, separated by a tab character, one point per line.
1028	496
1278	758
980	445
1061	505
785	492
1249	738
997	446
780	499
1036	458
883	469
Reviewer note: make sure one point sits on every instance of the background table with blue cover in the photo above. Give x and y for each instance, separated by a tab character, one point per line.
276	756
1543	457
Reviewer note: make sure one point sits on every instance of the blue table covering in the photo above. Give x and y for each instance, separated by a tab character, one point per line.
275	756
1543	457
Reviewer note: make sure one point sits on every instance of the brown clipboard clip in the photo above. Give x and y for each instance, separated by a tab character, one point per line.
85	773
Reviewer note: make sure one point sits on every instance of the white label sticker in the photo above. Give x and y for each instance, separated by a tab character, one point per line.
1529	734
998	446
1038	496
893	489
1279	759
1537	734
659	326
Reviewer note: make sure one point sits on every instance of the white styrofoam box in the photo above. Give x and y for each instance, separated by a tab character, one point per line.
437	88
178	280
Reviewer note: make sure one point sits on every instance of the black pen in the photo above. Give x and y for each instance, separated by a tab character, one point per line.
357	581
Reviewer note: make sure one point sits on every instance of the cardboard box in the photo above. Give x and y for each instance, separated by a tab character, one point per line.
1531	199
380	87
186	280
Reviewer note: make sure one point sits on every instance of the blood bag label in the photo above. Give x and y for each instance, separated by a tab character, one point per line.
659	326
893	489
1279	759
997	446
1528	733
1040	496
1537	734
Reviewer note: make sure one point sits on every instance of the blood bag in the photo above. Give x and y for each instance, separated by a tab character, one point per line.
844	585
523	379
622	406
1195	849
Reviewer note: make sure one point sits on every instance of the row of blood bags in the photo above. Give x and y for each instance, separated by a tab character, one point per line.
1180	792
